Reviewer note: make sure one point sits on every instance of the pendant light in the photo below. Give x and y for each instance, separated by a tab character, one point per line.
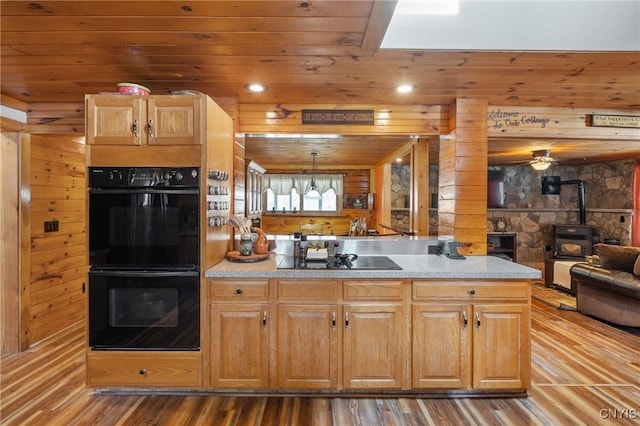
313	171
313	188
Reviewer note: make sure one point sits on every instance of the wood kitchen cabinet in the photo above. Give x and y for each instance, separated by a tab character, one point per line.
364	336
375	342
307	334
254	175
441	346
471	334
368	334
240	318
501	352
307	346
144	120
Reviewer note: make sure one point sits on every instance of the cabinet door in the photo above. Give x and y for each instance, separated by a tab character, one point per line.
173	120
307	351
501	349
115	120
441	350
375	346
239	345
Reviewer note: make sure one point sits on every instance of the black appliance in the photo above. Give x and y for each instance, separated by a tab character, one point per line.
144	276
495	188
572	241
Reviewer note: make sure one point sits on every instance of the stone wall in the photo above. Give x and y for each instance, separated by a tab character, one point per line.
400	193
529	213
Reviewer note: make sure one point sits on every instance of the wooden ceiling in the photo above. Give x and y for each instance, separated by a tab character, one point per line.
306	52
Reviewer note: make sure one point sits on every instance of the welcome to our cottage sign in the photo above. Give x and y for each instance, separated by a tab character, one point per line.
501	120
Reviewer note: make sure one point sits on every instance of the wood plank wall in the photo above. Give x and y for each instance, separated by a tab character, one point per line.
536	122
388	119
9	243
232	108
58	259
287	224
66	118
462	207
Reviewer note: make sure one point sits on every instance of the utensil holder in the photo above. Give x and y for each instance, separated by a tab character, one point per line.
245	245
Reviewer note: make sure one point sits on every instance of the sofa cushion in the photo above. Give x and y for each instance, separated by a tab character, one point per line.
636	267
620	282
621	258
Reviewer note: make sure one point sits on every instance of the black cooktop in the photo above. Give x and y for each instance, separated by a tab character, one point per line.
359	264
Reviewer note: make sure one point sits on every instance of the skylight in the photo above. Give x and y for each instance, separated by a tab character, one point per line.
427	7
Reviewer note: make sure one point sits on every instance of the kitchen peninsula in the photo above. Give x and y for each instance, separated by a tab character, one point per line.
437	325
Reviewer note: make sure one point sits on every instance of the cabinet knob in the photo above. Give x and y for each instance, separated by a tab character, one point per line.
143	372
472	291
238	291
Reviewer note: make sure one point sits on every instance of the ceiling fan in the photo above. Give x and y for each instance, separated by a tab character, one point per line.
542	160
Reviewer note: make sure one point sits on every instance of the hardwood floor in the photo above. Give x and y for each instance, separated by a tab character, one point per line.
584	372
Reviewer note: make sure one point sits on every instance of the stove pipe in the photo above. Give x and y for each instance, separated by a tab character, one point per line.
552	184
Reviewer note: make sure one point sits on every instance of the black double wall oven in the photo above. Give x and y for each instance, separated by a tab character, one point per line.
144	256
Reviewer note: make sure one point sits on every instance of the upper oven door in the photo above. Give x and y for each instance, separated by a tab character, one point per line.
144	227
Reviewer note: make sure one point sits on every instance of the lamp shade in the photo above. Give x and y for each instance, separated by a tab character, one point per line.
540	165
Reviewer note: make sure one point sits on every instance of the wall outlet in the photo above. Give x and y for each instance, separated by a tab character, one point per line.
51	226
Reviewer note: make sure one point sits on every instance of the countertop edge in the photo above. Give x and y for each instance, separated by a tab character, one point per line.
476	267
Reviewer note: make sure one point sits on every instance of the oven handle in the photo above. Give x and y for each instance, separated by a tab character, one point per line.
126	274
148	190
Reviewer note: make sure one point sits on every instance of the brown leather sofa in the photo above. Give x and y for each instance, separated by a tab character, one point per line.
611	295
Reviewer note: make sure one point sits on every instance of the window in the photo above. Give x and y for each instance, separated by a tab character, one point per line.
326	202
312	201
287	202
283	193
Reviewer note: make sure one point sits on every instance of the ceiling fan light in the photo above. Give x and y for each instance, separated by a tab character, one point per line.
540	165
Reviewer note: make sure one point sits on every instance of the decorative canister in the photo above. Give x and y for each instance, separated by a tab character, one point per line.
245	245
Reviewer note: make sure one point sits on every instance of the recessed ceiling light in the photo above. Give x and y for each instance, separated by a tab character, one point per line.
404	88
256	87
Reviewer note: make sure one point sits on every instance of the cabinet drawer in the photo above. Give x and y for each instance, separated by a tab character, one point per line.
237	290
471	290
309	289
143	369
373	290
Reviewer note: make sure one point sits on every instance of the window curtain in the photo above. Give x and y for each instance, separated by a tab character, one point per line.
281	184
635	221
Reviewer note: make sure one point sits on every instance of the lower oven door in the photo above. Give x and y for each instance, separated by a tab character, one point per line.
143	310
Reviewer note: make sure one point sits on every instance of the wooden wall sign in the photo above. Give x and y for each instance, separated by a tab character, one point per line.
602	120
337	116
499	119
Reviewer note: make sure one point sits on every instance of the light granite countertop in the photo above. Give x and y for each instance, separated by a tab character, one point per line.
413	266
